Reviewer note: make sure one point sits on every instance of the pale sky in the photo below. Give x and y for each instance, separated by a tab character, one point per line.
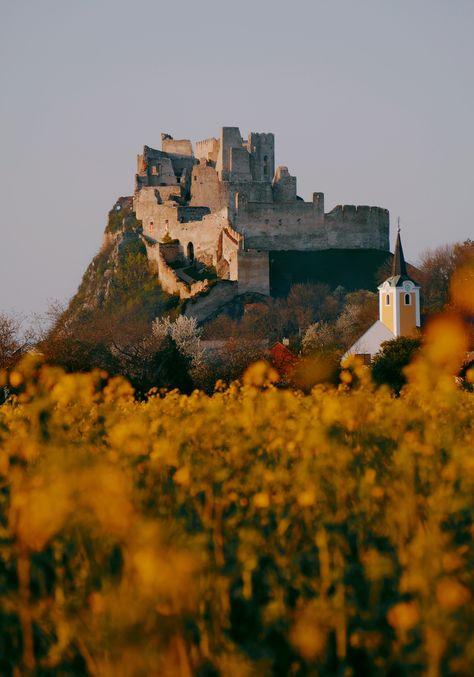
371	102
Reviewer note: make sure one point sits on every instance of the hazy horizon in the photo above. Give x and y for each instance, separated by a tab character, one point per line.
370	103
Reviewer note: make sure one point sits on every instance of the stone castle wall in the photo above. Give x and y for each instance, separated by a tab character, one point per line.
231	186
171	283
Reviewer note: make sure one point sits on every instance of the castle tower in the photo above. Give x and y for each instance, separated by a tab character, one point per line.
399	297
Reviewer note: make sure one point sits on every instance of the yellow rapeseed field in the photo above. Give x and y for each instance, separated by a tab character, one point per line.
259	531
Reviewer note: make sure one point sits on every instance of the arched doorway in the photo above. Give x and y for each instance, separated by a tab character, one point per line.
190	252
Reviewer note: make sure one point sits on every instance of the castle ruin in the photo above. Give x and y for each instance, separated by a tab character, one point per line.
224	207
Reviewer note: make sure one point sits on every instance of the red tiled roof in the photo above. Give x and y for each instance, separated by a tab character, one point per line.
284	360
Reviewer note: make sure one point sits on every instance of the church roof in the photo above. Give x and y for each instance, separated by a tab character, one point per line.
369	343
399	266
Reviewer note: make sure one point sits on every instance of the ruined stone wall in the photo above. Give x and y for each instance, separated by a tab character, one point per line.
206	189
204	236
168	277
284	186
303	226
180	163
292	225
361	227
231	242
231	206
262	156
230	138
208	150
176	146
253	272
239	165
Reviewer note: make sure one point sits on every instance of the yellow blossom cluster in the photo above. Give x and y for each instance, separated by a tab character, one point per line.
257	531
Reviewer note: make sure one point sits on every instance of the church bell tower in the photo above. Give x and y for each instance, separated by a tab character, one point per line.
399	297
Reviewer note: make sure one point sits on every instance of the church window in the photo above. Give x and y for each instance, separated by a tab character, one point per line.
265	165
387	300
407	299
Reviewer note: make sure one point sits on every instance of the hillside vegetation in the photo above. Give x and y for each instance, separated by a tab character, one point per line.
120	276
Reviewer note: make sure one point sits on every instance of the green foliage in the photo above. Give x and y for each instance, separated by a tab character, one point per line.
167	239
389	363
122	217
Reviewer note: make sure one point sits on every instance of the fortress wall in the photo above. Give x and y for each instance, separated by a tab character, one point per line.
144	202
230	138
253	272
203	235
255	192
206	189
303	225
165	193
177	146
160	171
207	149
186	224
182	164
262	155
168	278
171	251
230	248
239	164
186	214
284	186
293	225
362	227
156	218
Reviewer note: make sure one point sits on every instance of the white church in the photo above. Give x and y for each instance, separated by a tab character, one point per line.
399	309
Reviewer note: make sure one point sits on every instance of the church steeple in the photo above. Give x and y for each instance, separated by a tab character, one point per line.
399	266
399	296
399	308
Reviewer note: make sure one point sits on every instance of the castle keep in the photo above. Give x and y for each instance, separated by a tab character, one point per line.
225	206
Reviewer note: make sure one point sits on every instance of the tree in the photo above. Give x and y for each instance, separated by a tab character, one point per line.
120	342
318	336
437	267
389	363
186	335
360	311
14	342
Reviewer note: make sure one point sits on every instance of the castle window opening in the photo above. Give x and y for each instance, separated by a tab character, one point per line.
387	300
407	300
265	165
190	251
